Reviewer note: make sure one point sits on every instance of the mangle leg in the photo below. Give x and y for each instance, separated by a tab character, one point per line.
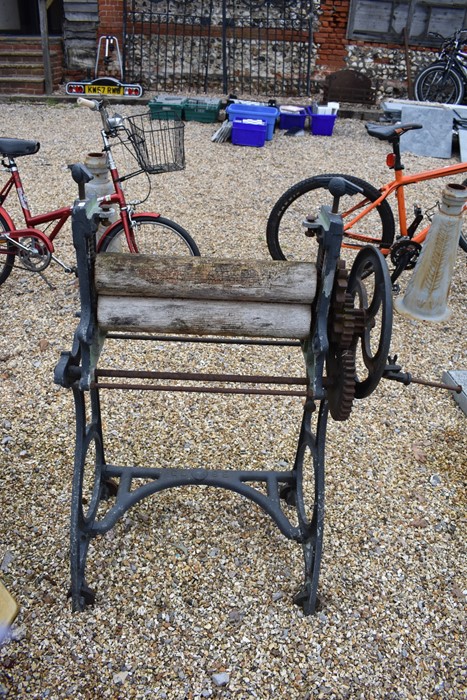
309	500
89	487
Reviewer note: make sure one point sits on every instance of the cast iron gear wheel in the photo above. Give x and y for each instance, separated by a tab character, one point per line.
348	323
340	326
341	371
343	324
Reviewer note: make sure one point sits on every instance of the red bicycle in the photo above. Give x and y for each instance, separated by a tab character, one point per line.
155	145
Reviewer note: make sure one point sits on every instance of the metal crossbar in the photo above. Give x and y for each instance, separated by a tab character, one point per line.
199	377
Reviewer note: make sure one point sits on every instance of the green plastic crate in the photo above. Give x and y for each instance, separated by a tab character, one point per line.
167	107
203	109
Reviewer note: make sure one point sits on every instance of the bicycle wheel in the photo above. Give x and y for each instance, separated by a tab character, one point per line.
463	236
7	252
437	84
154	235
286	235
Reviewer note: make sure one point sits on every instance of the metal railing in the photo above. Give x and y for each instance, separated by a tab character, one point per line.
235	46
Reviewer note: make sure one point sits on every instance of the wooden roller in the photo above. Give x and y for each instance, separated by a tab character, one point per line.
202	296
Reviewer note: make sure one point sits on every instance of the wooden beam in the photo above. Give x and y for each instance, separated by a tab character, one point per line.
45	46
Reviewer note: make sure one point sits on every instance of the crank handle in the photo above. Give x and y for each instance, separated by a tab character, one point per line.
406	379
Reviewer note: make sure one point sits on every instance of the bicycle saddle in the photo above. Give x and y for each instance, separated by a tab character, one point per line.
18	147
390	133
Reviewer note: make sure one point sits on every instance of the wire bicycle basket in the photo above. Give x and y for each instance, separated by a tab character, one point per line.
157	144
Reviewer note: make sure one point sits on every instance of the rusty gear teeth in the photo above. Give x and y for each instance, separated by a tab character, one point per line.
345	322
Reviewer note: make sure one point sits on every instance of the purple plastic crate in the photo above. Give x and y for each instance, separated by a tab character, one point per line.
246	133
292	120
321	124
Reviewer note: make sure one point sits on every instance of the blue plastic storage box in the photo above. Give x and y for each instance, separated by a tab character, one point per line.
238	110
249	132
292	119
321	124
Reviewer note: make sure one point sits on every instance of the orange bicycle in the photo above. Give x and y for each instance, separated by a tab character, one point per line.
368	217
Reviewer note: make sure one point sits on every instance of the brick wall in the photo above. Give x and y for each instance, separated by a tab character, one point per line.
385	64
111	19
330	37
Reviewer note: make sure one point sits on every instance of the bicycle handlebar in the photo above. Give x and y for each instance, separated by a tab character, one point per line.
435	35
450	42
91	104
111	124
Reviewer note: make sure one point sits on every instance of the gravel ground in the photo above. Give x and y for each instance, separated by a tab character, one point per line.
194	589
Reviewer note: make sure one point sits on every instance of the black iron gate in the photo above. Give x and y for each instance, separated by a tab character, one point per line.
229	46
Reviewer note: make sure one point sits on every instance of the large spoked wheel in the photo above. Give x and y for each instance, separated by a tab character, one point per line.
286	235
439	84
154	235
463	236
370	288
7	252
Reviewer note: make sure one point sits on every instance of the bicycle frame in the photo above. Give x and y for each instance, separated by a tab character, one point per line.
397	185
460	66
34	247
117	197
62	214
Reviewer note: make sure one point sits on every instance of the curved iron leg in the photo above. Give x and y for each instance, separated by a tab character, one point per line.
312	529
81	522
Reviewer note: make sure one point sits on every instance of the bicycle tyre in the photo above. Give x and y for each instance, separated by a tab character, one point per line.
155	235
436	84
7	259
463	236
285	234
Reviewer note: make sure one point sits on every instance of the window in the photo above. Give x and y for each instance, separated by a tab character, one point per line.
384	21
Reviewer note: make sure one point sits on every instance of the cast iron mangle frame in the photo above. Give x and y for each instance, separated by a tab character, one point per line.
283	488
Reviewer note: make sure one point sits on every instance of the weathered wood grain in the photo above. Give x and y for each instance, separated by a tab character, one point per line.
122	274
204	317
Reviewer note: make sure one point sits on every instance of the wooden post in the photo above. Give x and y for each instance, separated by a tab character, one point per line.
407	33
45	46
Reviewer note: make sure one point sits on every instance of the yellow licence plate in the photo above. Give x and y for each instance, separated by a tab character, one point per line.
103	89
